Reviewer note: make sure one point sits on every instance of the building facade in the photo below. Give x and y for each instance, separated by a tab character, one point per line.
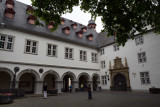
74	54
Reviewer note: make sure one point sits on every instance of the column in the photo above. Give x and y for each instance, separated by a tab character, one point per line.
38	87
91	82
59	86
17	83
74	86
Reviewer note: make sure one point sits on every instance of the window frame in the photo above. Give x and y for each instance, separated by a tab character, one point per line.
103	64
83	55
94	57
36	53
102	51
137	40
146	78
56	50
116	47
142	58
6	42
104	80
68	53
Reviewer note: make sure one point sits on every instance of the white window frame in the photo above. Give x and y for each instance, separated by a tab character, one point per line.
142	57
139	40
103	64
94	57
31	47
116	47
145	78
83	55
102	51
104	79
69	53
7	42
51	50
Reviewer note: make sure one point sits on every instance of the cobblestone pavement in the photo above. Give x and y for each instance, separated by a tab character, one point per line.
100	99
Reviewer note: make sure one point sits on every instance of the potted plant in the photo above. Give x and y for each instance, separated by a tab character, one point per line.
6	98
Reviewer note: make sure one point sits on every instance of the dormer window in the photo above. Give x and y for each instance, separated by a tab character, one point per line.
29	8
79	34
10	4
50	25
9	13
84	29
90	37
62	21
92	25
74	25
32	19
66	30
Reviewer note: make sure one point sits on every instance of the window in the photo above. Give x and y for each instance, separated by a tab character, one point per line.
104	80
31	47
102	51
83	55
94	57
103	64
145	78
6	42
142	57
69	53
52	50
115	47
139	40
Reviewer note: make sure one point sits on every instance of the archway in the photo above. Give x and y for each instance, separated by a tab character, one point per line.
50	80
27	82
68	79
120	83
83	80
5	80
96	81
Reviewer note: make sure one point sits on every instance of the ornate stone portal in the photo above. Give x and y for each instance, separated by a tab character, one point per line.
119	75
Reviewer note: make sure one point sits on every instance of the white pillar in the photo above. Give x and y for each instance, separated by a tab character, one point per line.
74	85
38	87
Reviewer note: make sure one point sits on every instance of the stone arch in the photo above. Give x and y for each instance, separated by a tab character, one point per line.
69	73
10	72
37	76
84	73
95	74
52	72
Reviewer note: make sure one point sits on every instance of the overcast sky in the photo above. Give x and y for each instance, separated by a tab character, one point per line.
77	15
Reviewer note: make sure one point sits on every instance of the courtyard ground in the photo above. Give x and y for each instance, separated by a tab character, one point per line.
100	99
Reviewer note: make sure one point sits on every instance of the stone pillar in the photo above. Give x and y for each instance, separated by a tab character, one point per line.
38	87
59	86
74	86
90	82
17	84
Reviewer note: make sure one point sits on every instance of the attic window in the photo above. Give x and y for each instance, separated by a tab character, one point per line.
74	25
29	8
90	37
32	19
10	4
92	25
84	29
62	21
50	25
71	21
9	13
66	30
79	34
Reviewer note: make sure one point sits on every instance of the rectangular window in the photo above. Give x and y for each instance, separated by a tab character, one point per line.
94	57
102	51
52	50
83	55
115	47
142	57
103	64
6	42
31	47
145	78
69	53
139	40
104	80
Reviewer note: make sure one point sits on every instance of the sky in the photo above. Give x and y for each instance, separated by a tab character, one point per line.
77	15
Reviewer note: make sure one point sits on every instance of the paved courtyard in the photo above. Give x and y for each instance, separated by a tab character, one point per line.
100	99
